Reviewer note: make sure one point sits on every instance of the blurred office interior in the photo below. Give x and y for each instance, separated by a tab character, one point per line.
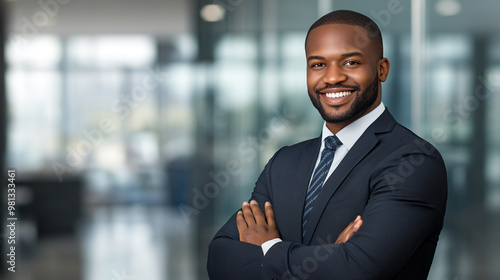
136	128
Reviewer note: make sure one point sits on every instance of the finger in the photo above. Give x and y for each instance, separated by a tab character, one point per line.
257	212
358	224
348	237
349	231
270	214
349	228
353	226
241	224
247	214
339	240
345	234
240	221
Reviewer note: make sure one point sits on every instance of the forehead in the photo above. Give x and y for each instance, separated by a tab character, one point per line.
338	39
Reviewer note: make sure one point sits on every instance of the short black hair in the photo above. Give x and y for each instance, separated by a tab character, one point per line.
352	18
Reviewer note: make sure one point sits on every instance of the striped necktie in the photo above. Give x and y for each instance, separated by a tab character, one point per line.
331	144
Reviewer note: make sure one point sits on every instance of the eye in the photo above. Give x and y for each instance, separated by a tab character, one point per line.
351	63
316	65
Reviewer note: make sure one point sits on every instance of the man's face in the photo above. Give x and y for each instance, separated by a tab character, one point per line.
343	68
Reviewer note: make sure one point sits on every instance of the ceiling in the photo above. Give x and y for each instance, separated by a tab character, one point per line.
100	16
176	16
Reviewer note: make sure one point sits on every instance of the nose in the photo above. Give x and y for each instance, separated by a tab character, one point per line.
334	75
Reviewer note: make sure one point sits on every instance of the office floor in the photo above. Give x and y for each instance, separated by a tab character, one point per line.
136	243
116	243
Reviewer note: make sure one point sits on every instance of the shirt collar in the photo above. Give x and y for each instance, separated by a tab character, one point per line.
351	133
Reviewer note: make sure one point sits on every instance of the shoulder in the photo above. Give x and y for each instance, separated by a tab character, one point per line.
407	163
395	138
293	154
405	159
307	144
406	141
294	150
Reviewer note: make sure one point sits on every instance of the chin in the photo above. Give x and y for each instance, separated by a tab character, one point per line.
341	115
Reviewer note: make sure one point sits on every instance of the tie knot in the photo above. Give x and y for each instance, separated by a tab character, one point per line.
332	143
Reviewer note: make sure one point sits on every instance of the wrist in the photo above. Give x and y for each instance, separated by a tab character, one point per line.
268	244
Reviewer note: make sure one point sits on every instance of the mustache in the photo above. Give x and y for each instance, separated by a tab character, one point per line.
318	91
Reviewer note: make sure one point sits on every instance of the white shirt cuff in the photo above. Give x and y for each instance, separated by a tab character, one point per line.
268	244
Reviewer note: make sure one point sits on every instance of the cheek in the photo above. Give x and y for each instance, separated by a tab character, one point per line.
313	80
311	87
363	78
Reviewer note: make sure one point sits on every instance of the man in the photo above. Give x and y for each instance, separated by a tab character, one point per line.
364	168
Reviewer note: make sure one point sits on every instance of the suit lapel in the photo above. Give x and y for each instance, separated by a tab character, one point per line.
362	147
296	196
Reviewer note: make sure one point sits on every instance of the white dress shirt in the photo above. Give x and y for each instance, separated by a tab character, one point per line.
348	135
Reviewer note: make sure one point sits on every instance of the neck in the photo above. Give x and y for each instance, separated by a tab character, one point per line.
336	127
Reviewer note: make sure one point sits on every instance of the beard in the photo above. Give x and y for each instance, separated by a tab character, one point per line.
360	104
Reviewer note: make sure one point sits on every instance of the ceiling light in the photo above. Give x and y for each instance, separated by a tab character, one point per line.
448	7
212	13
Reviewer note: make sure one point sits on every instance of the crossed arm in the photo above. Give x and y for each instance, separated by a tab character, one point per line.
256	228
401	220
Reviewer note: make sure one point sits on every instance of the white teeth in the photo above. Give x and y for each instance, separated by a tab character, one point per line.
337	94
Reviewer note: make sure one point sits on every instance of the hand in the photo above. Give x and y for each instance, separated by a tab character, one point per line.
349	230
253	226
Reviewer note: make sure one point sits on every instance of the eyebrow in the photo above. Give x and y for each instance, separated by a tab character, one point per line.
351	54
344	55
315	57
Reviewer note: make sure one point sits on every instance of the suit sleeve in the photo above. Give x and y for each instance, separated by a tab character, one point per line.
228	257
406	206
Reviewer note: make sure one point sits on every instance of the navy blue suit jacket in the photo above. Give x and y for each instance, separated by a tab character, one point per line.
395	180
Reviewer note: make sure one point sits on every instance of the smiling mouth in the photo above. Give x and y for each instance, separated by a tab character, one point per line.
338	94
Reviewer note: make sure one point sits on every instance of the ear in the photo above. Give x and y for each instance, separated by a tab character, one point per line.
383	69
